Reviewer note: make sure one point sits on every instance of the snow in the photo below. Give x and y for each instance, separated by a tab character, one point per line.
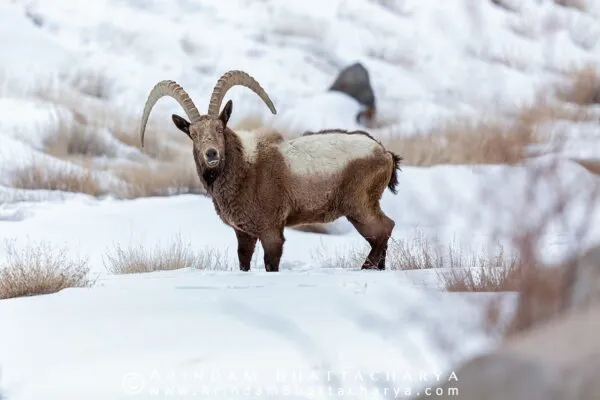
429	61
170	333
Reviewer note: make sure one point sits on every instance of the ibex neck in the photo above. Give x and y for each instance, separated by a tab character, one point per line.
233	174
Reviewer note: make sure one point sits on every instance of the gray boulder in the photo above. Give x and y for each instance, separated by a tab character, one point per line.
354	80
559	360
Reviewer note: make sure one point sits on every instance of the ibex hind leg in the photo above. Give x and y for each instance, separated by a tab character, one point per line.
376	228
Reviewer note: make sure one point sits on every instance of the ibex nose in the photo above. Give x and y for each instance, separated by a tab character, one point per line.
211	154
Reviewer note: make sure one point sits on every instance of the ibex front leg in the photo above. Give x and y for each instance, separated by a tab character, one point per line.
246	245
272	243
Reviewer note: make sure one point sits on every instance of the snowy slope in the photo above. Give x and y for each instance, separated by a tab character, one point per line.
184	333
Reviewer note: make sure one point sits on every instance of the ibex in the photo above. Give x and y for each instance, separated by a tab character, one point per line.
261	184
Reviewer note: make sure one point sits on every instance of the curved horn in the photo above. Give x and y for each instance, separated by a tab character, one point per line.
171	89
233	78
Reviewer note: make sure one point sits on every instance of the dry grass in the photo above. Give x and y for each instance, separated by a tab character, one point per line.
456	271
40	269
162	142
466	142
497	273
592	166
160	179
584	88
248	123
509	141
580	5
34	176
174	255
96	137
542	296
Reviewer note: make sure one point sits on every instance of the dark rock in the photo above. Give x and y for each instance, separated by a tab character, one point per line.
355	82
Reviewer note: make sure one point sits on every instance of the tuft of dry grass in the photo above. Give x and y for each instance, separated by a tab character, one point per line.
457	272
542	296
249	123
580	5
160	142
40	269
509	141
36	177
176	255
466	142
92	83
89	135
350	257
496	273
592	166
160	179
584	88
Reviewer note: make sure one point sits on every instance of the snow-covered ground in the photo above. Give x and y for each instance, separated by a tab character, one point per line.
309	328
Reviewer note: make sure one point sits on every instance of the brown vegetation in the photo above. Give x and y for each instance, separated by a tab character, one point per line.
591	165
89	134
455	271
508	141
40	269
175	255
34	176
576	4
466	142
584	87
157	179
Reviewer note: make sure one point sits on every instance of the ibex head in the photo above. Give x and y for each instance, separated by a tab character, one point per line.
206	131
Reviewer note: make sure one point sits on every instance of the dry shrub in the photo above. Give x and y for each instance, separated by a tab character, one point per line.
40	269
466	142
584	88
485	274
591	165
91	130
249	122
418	253
510	141
38	177
580	5
92	83
542	296
77	139
341	258
161	142
546	290
478	273
175	255
160	179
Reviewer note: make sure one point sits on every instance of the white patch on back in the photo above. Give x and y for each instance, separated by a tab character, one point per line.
250	144
325	153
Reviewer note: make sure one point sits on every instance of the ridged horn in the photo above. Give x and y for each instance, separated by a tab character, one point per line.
171	89
233	78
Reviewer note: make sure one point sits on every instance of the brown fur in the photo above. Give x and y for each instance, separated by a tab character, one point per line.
259	199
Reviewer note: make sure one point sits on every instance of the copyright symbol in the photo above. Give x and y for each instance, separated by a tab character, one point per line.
133	383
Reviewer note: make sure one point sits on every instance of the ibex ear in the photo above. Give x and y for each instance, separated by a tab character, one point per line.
226	113
182	124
